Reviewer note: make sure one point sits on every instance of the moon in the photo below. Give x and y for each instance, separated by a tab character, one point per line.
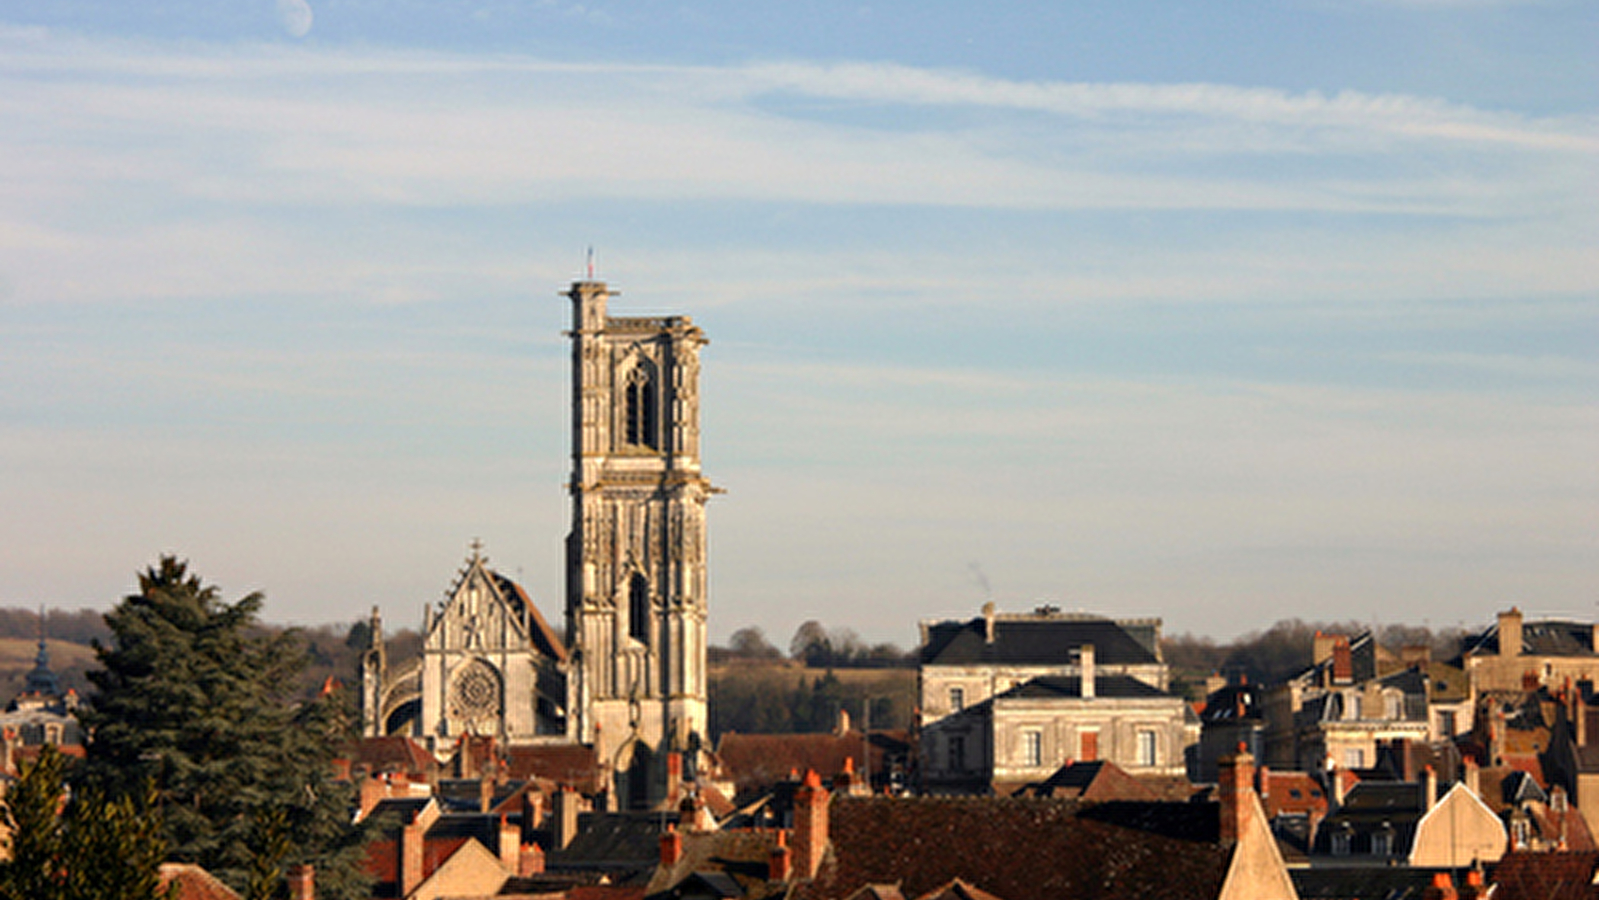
295	16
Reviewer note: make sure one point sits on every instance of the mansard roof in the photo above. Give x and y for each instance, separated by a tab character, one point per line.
1045	639
1539	637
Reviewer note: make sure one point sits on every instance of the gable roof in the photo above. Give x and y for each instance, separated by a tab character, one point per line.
1043	640
1568	875
757	762
573	765
190	882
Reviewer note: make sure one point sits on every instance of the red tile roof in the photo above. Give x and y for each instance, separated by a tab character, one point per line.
1014	848
1545	876
190	882
574	765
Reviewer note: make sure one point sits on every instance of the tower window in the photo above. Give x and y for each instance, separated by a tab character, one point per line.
638	612
641	428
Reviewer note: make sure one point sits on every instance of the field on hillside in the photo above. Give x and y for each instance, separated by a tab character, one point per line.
69	661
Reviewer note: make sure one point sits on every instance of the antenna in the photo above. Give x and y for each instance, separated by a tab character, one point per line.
591	262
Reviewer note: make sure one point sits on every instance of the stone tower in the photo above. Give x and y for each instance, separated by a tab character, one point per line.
635	576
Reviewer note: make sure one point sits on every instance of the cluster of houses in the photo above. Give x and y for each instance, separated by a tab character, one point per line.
1050	757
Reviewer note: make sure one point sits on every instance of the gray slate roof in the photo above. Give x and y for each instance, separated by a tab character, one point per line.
1038	641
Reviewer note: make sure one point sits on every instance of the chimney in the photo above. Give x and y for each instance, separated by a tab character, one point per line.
1214	683
989	611
1510	632
531	861
1442	888
674	777
1343	662
510	845
374	788
564	828
1475	888
1336	776
1085	662
842	728
1263	784
1235	774
1429	787
302	882
671	847
485	792
1473	776
810	825
413	838
1323	648
781	865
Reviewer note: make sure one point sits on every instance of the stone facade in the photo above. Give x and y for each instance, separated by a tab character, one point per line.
490	667
630	681
1007	699
636	577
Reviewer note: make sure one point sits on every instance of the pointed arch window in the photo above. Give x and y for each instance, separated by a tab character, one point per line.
638	608
641	427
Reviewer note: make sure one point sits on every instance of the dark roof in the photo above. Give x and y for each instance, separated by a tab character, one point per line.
1366	882
721	860
1052	686
625	845
1545	637
1038	640
1014	848
398	811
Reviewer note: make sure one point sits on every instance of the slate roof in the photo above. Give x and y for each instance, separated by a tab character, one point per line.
1092	782
1056	686
627	846
1367	882
1037	640
1542	637
1014	848
739	858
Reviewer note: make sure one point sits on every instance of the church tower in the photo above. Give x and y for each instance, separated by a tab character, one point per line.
635	576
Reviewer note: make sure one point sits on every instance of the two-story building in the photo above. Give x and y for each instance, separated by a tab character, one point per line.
1007	699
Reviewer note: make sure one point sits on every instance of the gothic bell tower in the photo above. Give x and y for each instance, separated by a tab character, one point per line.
635	575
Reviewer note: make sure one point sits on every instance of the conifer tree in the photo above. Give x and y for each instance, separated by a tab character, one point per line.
192	698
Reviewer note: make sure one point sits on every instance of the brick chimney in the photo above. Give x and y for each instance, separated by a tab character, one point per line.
1085	657
413	837
1343	662
781	865
1429	787
1510	632
1442	888
810	825
1323	648
671	847
1235	777
1473	777
374	788
674	778
302	882
530	861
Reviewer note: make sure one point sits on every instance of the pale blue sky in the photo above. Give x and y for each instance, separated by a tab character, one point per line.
1218	312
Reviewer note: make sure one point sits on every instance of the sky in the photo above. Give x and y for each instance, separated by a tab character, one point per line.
1222	313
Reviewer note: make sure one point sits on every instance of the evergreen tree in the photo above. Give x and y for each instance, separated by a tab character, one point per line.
98	849
194	699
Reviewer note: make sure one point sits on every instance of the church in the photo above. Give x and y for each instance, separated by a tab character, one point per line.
629	678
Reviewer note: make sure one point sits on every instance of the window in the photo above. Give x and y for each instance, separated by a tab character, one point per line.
640	426
1354	707
1393	706
1088	746
1354	758
1032	748
1382	841
1340	842
957	752
638	609
1146	748
957	699
1446	724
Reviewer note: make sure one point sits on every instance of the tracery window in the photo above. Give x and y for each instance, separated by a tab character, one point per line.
641	428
